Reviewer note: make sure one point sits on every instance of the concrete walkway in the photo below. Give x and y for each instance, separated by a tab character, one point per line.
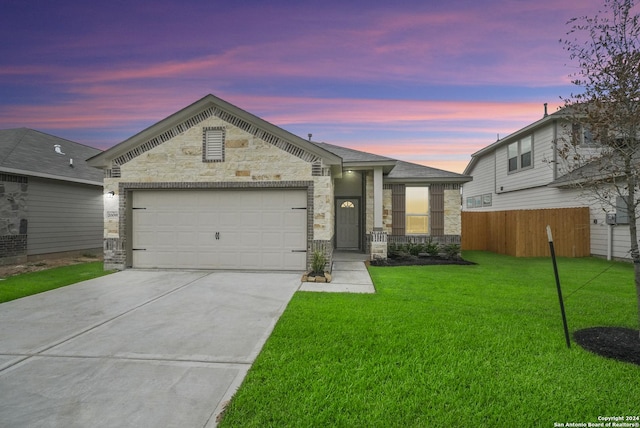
135	348
349	275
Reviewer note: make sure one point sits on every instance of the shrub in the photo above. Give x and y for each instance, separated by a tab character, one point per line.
432	248
318	263
396	251
415	249
452	251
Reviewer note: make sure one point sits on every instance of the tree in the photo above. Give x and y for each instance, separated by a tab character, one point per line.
606	48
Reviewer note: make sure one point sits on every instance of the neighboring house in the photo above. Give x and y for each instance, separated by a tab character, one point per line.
50	199
213	186
523	171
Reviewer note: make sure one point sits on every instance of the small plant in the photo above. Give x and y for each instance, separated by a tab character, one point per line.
432	248
396	251
318	263
452	251
415	249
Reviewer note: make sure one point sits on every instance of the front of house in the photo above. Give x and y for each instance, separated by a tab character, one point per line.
215	187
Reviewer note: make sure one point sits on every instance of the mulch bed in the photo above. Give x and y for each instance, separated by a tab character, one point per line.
419	261
622	344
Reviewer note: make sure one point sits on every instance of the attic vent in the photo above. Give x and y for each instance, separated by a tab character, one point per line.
213	145
114	172
318	170
235	121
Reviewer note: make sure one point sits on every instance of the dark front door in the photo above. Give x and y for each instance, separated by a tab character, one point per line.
348	223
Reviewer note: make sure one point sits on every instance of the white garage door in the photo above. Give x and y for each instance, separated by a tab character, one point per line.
220	229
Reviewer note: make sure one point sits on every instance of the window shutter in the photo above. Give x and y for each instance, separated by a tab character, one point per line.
214	145
397	209
436	199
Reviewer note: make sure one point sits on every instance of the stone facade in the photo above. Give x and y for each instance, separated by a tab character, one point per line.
13	219
452	215
249	162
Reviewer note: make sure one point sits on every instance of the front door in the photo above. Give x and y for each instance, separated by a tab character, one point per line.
347	223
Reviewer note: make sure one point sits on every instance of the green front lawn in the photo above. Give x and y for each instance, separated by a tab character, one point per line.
27	284
449	346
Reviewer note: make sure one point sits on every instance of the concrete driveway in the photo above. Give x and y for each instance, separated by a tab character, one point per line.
135	348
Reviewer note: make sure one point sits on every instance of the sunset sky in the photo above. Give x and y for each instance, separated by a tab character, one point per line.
424	81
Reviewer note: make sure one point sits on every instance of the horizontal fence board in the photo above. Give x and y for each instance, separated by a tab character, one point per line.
522	233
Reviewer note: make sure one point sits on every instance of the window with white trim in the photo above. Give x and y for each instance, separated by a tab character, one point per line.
520	154
213	145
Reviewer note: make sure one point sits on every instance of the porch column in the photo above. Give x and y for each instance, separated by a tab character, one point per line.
378	235
377	198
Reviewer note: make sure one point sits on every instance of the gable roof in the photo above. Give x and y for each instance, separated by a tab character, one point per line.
28	152
560	114
202	109
407	172
334	156
396	170
354	159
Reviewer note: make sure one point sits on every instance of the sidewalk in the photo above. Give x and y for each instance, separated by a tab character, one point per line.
349	275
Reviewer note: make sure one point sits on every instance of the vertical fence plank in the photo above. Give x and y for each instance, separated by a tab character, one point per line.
522	233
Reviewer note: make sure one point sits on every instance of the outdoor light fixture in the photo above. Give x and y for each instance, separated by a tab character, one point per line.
111	194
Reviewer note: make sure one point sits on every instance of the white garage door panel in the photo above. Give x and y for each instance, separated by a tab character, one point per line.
219	229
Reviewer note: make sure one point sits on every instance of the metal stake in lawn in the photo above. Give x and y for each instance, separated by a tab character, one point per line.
555	270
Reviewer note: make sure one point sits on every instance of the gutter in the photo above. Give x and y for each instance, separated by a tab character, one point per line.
50	176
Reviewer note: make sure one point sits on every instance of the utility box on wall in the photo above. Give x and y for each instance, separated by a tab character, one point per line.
611	218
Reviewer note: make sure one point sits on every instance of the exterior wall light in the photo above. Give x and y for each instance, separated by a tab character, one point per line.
111	194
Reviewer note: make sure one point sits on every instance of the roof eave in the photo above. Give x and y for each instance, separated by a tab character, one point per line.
387	166
428	180
513	137
49	176
103	159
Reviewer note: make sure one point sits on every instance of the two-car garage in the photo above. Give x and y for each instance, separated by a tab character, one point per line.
252	229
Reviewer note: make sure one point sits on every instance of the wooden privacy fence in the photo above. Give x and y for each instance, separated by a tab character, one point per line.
522	233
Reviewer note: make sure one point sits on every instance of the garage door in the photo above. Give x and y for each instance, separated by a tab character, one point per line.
221	229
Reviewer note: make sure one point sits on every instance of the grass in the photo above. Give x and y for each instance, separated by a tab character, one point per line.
28	284
446	346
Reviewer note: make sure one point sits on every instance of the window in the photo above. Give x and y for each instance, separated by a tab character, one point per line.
582	135
347	204
471	202
417	210
520	154
513	156
621	210
213	145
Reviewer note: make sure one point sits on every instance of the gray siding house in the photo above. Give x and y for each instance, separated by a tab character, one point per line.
523	171
51	200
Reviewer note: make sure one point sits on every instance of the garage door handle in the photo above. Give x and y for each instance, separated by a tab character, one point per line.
139	249
217	236
298	251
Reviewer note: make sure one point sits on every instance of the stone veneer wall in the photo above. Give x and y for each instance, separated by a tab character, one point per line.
452	212
368	187
387	213
13	218
249	163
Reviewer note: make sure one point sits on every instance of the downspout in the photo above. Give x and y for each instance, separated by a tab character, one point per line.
610	241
